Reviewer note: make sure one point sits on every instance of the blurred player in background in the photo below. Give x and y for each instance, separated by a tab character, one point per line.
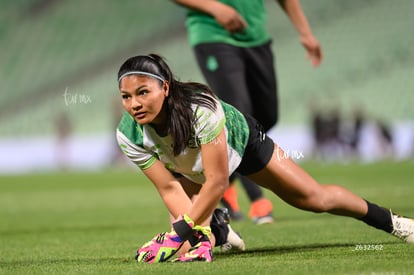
233	51
63	126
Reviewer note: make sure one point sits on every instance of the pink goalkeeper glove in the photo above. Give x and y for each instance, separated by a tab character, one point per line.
200	252
160	248
164	245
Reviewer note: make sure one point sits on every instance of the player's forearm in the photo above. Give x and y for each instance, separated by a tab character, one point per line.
216	173
169	189
208	199
206	6
176	202
296	15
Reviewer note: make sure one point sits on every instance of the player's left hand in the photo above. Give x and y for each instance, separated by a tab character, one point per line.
202	251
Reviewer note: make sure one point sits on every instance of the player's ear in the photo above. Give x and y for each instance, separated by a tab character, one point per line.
166	88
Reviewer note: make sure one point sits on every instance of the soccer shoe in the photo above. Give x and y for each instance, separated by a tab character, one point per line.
261	211
403	228
234	240
267	219
221	216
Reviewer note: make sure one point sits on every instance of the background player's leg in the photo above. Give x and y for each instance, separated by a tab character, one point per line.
224	69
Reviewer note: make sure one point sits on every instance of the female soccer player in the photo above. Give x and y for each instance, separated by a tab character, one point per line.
188	143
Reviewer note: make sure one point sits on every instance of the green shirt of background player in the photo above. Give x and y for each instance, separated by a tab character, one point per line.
178	127
243	24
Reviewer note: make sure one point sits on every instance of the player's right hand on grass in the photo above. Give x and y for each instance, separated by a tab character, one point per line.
162	247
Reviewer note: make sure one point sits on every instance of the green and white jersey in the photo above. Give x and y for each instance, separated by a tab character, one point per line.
203	28
144	146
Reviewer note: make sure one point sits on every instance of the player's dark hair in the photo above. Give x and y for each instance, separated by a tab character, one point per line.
178	103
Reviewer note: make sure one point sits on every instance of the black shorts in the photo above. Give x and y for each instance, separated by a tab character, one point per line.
244	77
259	149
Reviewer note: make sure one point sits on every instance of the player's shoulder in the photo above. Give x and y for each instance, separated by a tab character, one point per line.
131	129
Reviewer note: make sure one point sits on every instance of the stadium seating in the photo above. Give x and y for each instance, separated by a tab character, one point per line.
64	58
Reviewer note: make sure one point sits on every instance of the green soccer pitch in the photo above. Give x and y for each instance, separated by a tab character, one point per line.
92	223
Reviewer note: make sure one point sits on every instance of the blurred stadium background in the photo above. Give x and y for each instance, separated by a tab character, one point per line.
59	59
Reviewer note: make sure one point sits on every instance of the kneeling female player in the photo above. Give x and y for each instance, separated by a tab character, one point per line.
188	143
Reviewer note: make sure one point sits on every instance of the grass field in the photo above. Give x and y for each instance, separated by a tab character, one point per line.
83	223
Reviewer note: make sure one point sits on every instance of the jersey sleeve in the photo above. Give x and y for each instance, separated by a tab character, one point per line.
137	154
209	123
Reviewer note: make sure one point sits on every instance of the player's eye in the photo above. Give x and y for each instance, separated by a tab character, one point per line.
125	96
143	92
